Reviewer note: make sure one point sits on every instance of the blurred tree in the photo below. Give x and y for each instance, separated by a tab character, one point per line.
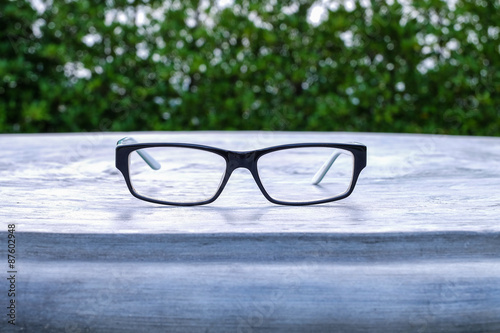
422	66
27	71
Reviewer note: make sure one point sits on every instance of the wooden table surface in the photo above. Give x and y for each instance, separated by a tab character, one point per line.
415	248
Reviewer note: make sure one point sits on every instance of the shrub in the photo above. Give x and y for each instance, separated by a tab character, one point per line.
257	64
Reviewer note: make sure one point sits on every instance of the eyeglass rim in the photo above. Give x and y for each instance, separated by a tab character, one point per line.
358	150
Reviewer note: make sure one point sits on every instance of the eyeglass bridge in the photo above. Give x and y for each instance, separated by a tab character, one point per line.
241	160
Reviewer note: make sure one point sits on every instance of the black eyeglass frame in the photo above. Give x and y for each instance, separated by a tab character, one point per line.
235	160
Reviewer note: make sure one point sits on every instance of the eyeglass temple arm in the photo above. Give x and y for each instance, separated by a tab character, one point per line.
318	177
154	164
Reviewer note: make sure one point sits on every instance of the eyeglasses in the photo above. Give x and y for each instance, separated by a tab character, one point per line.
185	174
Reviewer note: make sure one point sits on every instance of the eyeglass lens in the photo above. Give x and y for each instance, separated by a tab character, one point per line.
306	174
185	175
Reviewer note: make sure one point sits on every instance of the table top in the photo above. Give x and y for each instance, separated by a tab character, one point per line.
67	183
415	248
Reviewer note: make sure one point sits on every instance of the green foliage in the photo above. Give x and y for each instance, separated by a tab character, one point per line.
258	64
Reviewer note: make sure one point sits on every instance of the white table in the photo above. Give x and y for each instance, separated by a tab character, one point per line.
415	248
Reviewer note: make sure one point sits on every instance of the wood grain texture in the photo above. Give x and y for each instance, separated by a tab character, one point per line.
414	249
